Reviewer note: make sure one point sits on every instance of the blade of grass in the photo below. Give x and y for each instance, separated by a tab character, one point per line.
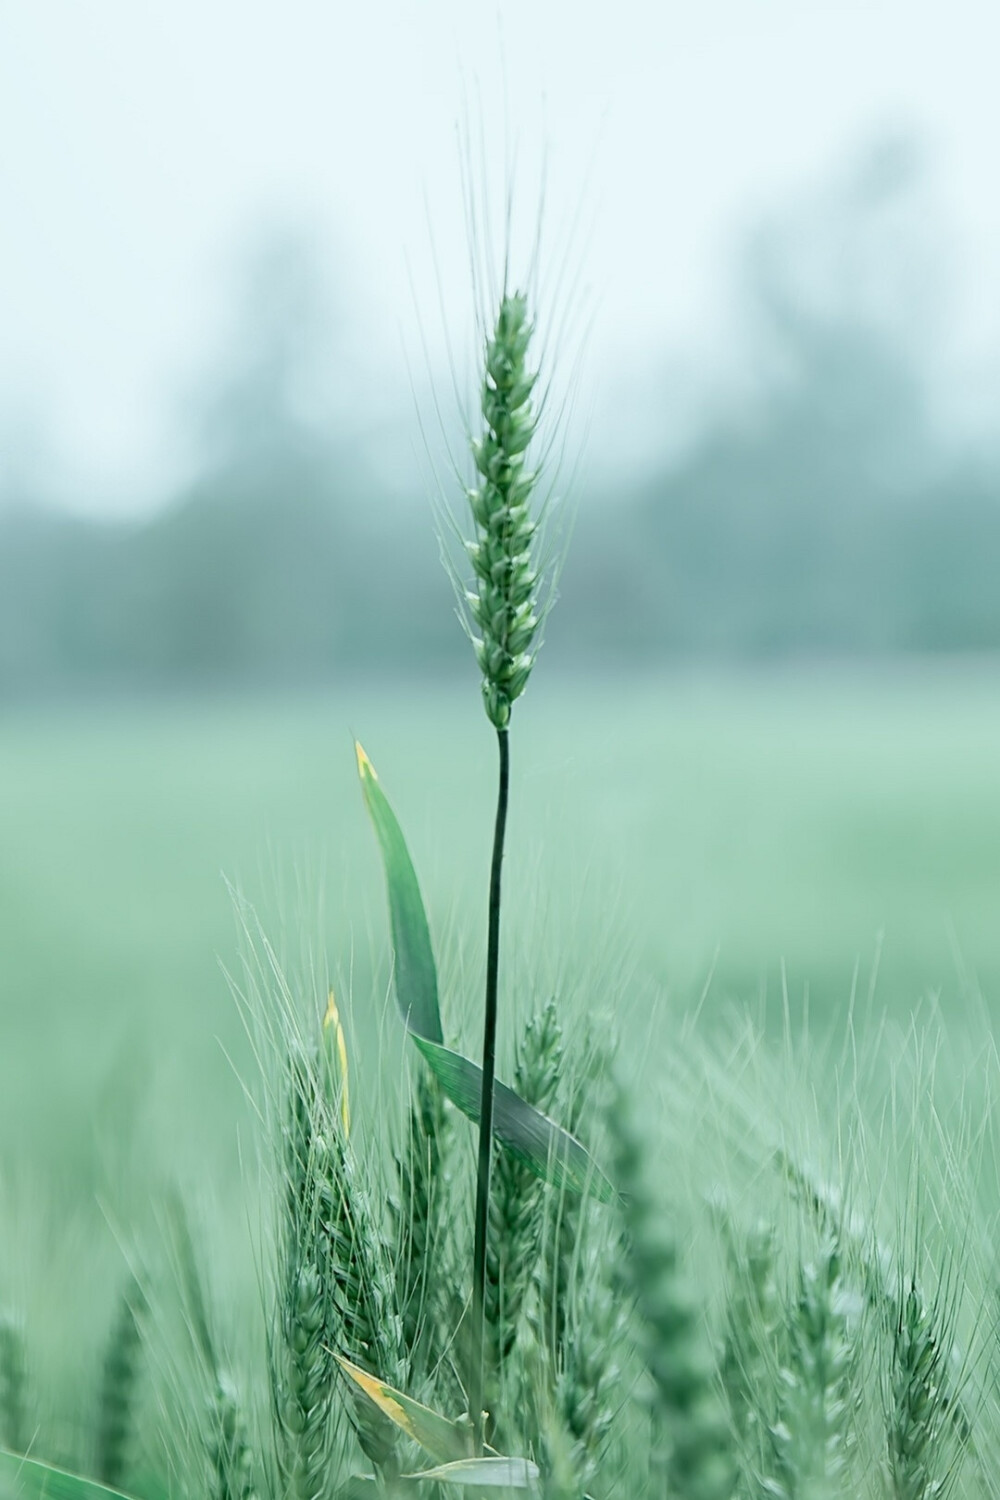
494	1473
445	1441
414	973
487	1473
29	1479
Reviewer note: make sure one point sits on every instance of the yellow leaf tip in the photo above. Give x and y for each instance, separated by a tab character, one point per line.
382	1395
365	767
332	1017
332	1021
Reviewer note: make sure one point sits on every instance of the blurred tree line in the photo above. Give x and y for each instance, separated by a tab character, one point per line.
818	510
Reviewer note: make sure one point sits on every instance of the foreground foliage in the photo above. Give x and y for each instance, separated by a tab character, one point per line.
738	1323
782	1295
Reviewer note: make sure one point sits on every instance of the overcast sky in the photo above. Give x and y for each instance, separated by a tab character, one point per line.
141	143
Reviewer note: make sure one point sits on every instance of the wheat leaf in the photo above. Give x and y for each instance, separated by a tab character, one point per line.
488	1473
29	1479
414	973
499	1473
445	1441
549	1151
544	1147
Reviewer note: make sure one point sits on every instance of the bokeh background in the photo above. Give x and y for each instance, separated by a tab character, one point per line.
244	248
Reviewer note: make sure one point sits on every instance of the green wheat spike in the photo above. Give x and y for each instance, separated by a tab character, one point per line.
14	1435
418	1219
117	1389
694	1458
503	602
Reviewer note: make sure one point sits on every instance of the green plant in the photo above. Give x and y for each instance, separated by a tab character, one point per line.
503	604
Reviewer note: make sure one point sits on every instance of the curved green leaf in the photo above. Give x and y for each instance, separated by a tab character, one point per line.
501	1473
544	1147
488	1473
415	974
29	1479
549	1151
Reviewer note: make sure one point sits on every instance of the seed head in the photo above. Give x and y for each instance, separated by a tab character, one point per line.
503	599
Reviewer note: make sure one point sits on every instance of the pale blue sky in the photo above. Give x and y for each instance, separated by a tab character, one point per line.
140	142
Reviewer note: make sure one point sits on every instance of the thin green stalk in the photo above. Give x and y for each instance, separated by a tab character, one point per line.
486	1110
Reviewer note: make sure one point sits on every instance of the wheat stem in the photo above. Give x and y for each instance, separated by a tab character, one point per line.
486	1106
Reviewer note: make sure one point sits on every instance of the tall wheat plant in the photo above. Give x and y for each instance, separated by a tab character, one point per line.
502	604
503	612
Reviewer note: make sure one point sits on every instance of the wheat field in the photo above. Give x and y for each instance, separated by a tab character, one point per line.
778	894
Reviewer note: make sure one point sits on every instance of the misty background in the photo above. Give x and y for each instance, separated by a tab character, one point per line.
804	465
820	502
238	349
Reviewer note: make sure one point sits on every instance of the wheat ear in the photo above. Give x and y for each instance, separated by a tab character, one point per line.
692	1443
516	1210
229	1450
503	600
813	1439
571	1218
927	1427
516	1198
590	1371
303	1373
418	1219
14	1435
754	1340
117	1389
231	1459
342	1298
363	1320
